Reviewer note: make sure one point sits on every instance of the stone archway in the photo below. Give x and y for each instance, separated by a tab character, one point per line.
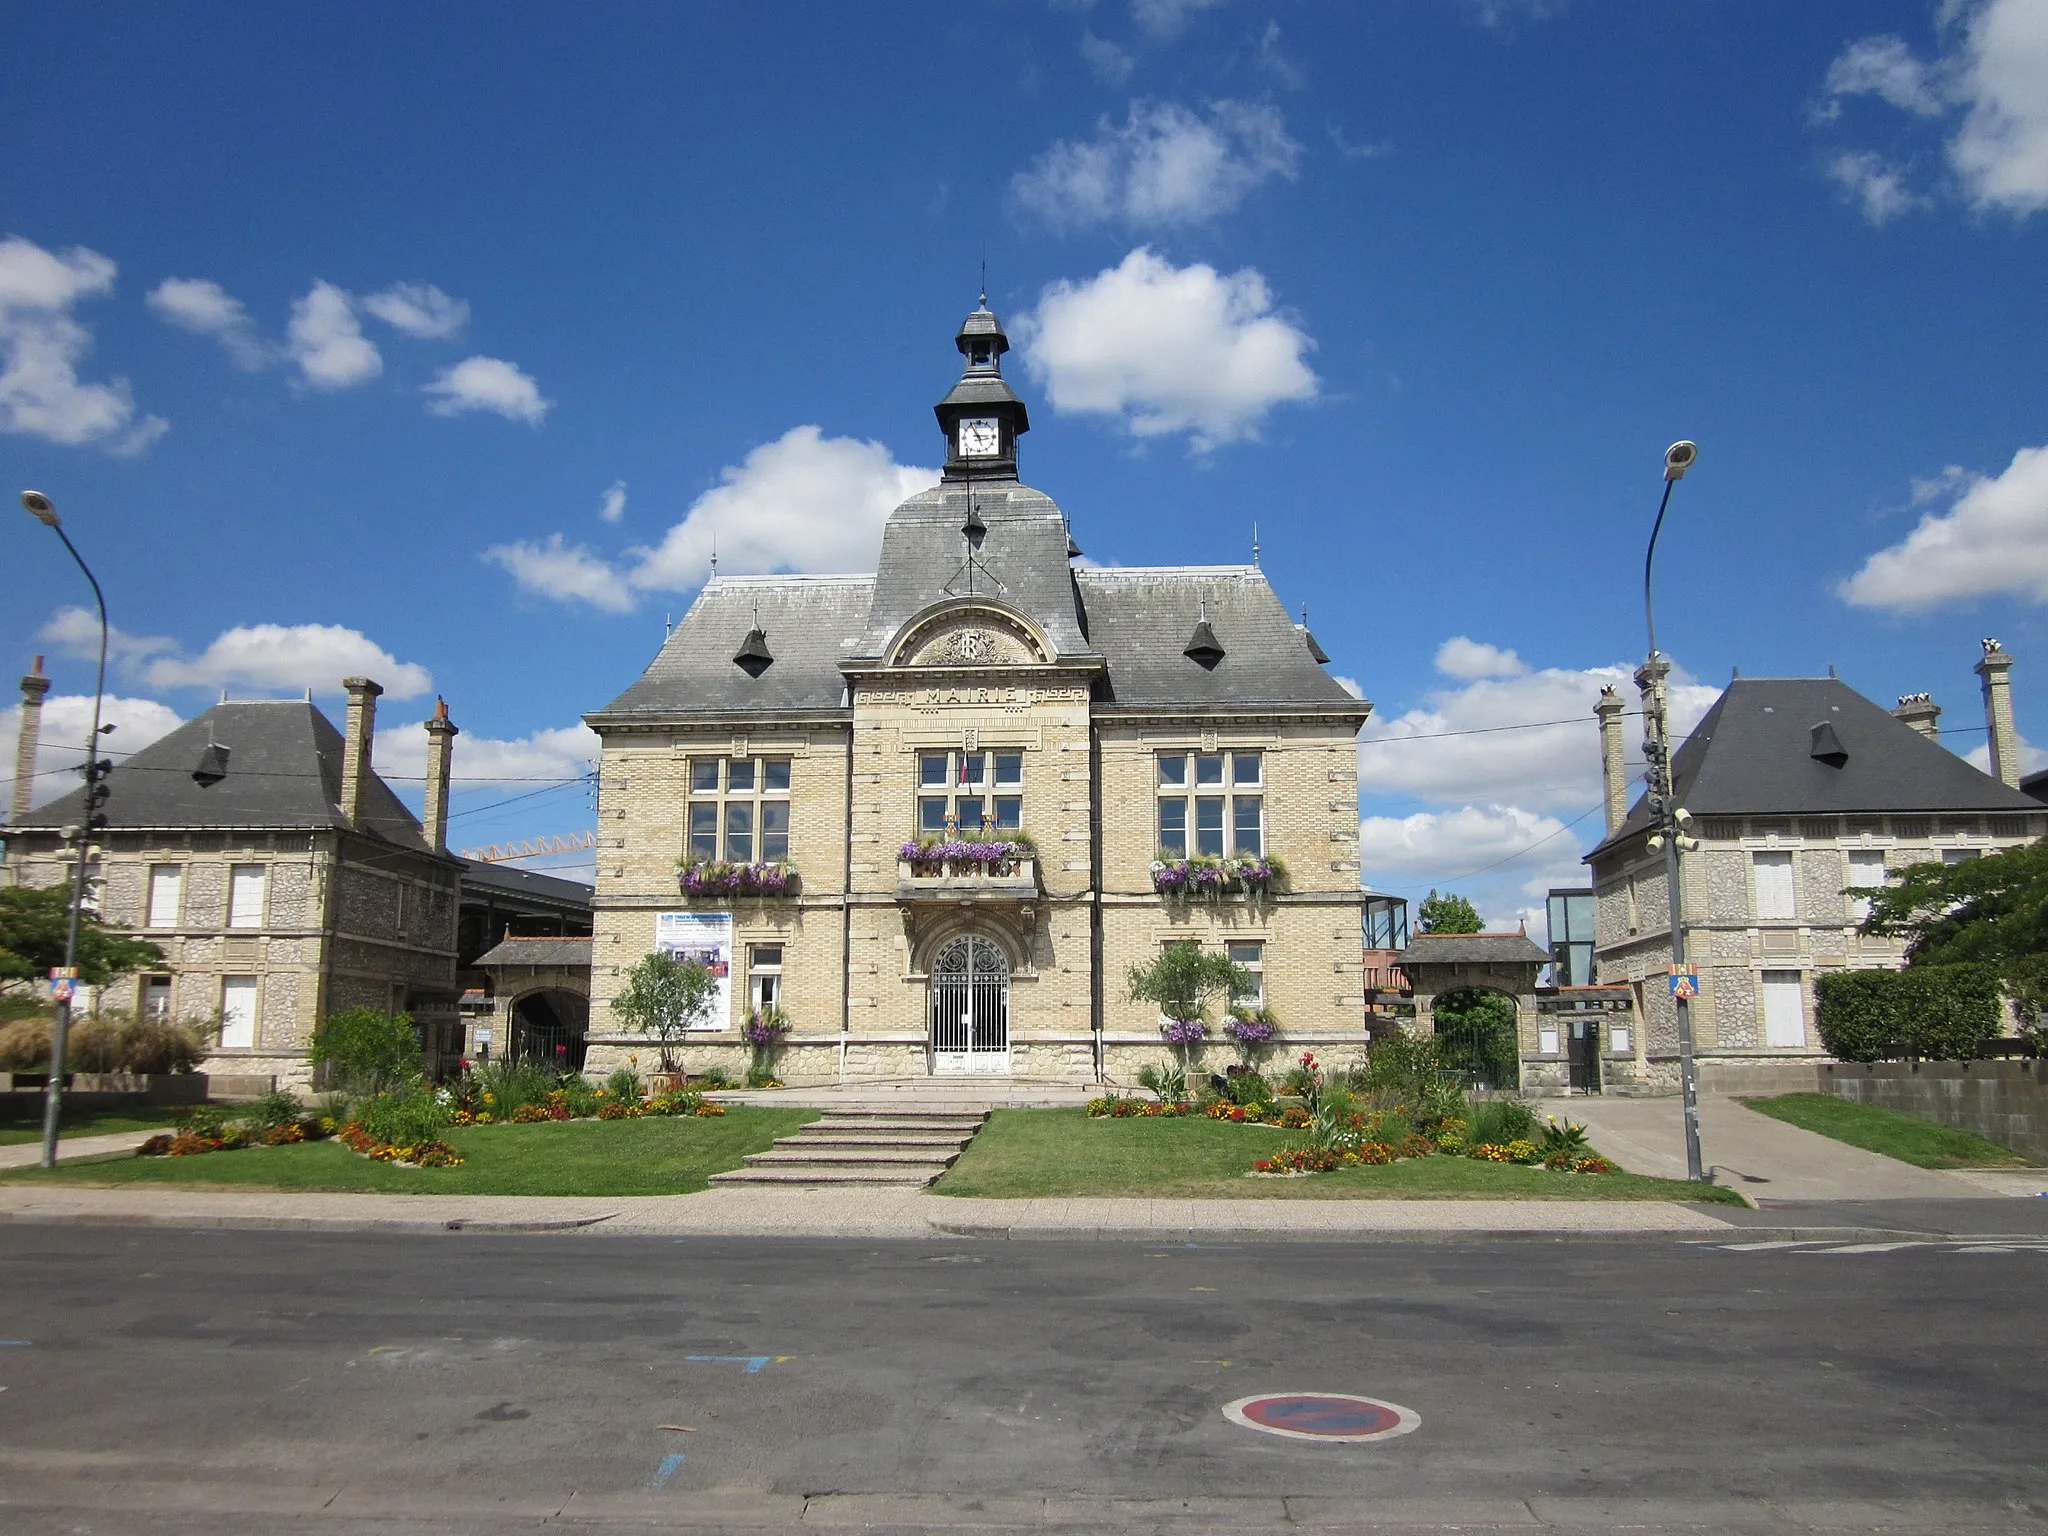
970	1008
1443	964
540	999
1480	1035
549	1026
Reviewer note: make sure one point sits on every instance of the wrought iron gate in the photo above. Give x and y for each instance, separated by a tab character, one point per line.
970	1008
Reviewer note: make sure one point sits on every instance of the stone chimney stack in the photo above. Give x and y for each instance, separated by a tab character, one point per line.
33	687
1920	712
441	734
355	749
2005	737
1613	770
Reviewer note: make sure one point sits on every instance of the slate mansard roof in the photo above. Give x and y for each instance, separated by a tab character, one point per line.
1753	755
284	772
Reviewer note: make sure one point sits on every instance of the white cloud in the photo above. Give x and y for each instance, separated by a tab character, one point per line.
1166	165
1277	64
565	752
805	502
1348	684
202	306
488	384
41	346
1167	349
1466	658
613	507
1993	69
419	310
76	632
565	572
1112	65
1875	184
1350	151
326	340
1453	748
1165	18
2032	758
286	657
1992	539
67	720
1502	858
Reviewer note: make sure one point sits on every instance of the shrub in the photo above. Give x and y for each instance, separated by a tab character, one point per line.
1562	1139
274	1110
714	1078
366	1051
1247	1088
623	1086
403	1117
151	1046
25	1046
502	1087
579	1095
93	1045
1933	1012
1167	1083
1502	1120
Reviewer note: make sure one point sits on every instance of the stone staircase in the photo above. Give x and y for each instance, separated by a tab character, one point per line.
904	1148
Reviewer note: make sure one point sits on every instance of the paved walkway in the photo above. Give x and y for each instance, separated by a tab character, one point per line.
28	1153
1767	1159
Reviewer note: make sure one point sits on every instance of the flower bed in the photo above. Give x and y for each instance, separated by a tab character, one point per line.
1206	877
715	877
208	1130
431	1153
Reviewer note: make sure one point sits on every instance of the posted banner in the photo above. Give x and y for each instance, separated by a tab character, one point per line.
705	937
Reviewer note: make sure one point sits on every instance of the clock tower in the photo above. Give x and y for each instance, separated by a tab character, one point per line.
982	416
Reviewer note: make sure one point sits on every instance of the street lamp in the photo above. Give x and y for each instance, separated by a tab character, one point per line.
1673	821
44	511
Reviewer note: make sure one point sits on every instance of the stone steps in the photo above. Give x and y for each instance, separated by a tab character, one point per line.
903	1148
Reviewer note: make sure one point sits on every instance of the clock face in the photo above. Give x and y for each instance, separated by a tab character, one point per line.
980	438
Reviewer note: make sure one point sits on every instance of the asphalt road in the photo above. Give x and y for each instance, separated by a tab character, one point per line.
229	1382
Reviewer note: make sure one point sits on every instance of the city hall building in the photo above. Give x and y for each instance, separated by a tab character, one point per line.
935	814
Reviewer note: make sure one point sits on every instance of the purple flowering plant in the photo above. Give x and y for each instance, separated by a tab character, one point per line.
930	854
716	877
1207	877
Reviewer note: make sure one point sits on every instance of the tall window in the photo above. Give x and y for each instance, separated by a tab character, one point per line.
166	894
764	977
979	788
238	1011
1784	1010
1866	868
1775	901
739	809
1211	803
245	896
156	998
1250	957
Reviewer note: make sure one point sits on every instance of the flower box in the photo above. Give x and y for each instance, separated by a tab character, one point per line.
965	857
1206	877
718	878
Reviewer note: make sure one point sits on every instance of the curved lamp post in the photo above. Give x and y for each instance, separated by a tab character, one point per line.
1672	820
44	511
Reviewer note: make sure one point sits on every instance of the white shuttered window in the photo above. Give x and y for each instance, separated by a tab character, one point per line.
238	1011
1866	868
1774	899
166	888
1784	1010
245	896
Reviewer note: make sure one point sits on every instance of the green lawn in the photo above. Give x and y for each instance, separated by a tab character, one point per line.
14	1133
1032	1152
654	1156
1908	1138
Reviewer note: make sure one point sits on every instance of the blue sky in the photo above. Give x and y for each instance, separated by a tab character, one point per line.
440	343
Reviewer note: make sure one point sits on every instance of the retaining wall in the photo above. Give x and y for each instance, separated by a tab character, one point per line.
2002	1101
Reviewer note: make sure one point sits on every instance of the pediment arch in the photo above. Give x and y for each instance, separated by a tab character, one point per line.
970	632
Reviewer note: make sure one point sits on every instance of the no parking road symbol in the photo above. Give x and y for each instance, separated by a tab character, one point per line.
1322	1416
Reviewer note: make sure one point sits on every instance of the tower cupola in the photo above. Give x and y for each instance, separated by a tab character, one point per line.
982	416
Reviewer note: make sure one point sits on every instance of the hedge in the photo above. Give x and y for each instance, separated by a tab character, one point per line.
1932	1012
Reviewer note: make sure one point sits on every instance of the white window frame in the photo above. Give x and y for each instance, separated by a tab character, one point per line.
165	912
757	798
1775	860
1783	1030
238	1028
1862	863
1256	964
1182	787
764	976
997	791
157	983
241	912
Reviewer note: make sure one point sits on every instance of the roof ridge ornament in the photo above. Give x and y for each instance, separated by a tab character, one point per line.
1203	648
753	657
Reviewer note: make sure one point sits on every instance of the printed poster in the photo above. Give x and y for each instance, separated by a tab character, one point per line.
705	937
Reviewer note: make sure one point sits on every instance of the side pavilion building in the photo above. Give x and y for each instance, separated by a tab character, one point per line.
935	814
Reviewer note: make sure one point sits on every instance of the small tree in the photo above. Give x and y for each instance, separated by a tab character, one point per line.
1182	983
361	1050
33	924
1448	913
667	998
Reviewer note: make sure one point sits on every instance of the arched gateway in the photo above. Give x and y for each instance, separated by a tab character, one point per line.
970	1008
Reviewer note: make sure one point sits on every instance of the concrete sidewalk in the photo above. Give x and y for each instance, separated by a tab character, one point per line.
1765	1158
879	1212
28	1153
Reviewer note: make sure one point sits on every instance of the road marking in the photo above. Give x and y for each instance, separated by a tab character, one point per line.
1757	1247
667	1469
1950	1245
1326	1416
1869	1248
753	1363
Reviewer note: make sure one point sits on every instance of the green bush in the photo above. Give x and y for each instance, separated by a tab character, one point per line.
366	1051
1932	1012
152	1046
580	1093
510	1087
1247	1088
403	1117
93	1045
1501	1121
280	1107
713	1078
623	1085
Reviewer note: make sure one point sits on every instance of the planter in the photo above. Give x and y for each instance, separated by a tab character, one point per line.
154	1087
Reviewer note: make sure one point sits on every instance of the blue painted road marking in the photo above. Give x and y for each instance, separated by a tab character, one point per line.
753	1363
667	1469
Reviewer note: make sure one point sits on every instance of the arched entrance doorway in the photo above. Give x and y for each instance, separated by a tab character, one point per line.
970	1008
549	1027
1477	1037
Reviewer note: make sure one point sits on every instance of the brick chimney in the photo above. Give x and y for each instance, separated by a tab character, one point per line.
441	734
355	747
33	687
1613	770
2005	737
1920	712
